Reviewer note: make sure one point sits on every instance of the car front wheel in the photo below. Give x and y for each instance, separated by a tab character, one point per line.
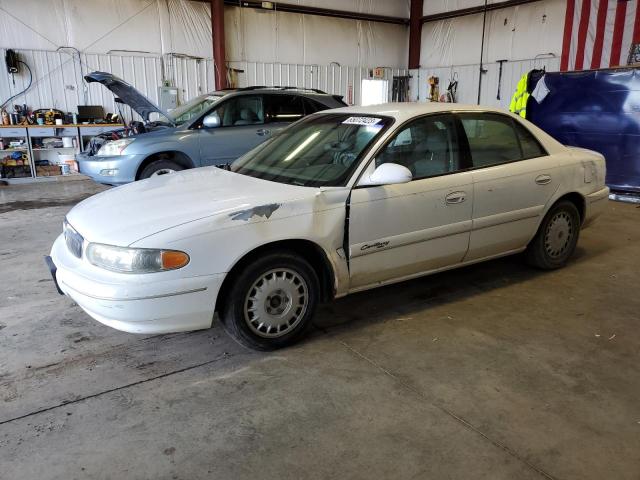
556	238
160	167
270	303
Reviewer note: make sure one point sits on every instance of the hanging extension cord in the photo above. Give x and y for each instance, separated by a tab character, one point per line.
23	91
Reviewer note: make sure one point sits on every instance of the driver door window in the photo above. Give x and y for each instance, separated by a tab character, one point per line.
241	111
428	147
241	129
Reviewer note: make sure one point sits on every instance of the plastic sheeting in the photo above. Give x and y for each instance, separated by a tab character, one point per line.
184	27
515	33
149	42
267	36
527	36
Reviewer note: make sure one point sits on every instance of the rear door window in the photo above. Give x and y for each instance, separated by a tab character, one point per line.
492	139
495	139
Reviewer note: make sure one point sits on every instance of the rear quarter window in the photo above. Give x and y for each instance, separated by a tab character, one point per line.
531	147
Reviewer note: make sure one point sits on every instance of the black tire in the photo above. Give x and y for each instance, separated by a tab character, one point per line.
556	238
159	165
241	323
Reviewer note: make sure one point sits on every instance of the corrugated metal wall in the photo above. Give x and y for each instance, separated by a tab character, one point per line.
467	76
57	77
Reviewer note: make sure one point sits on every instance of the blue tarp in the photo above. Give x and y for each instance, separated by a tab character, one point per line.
598	110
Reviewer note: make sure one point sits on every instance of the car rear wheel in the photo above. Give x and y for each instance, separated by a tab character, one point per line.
271	302
556	238
160	167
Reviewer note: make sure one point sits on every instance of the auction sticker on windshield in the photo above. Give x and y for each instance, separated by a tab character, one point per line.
361	121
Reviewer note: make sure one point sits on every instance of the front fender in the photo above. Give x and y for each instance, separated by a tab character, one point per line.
216	244
185	143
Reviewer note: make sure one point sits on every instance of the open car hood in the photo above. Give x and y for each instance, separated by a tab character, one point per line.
128	94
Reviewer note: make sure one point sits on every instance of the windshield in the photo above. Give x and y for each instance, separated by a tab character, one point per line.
321	150
193	108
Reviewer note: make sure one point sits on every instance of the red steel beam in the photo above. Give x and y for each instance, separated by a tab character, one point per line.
217	33
415	33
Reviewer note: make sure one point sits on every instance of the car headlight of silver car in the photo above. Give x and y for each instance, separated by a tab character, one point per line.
135	260
114	147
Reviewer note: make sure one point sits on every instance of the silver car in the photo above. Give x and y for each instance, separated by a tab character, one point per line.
212	129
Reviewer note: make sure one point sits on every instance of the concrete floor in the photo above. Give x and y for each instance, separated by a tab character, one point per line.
495	371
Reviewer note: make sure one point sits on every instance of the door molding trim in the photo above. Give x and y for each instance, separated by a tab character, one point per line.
409	238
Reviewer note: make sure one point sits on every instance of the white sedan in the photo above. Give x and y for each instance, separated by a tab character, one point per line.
342	201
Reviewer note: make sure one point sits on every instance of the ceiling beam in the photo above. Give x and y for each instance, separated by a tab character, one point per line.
306	10
474	10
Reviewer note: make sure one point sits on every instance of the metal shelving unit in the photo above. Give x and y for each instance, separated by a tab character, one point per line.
12	165
30	164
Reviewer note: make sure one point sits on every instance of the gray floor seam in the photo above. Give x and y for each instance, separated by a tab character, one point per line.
115	389
449	413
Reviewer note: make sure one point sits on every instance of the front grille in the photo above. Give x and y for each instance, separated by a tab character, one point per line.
73	240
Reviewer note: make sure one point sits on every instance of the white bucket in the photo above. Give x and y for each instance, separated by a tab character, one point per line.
67	142
63	158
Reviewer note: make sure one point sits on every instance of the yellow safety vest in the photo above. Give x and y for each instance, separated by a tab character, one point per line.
519	100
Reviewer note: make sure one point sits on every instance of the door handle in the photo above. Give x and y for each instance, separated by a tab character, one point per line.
455	198
263	132
543	179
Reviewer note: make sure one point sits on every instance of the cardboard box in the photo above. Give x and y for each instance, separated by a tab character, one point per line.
48	171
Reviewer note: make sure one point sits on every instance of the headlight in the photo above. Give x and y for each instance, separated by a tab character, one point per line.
135	260
114	147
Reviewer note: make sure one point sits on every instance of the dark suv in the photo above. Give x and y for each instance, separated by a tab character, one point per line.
212	129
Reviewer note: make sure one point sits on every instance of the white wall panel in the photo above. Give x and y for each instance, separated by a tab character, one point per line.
392	8
432	7
268	36
511	33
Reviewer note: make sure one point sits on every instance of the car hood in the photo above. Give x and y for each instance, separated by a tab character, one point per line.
124	215
128	94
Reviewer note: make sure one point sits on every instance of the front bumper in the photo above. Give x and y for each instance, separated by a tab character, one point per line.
125	167
149	303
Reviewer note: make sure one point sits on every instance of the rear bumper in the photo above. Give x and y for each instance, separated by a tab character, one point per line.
595	204
116	170
145	304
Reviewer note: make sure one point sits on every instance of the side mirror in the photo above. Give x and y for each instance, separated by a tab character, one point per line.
211	121
387	174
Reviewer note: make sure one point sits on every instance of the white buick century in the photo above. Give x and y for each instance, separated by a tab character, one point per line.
342	201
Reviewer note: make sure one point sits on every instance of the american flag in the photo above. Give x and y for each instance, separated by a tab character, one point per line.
599	33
